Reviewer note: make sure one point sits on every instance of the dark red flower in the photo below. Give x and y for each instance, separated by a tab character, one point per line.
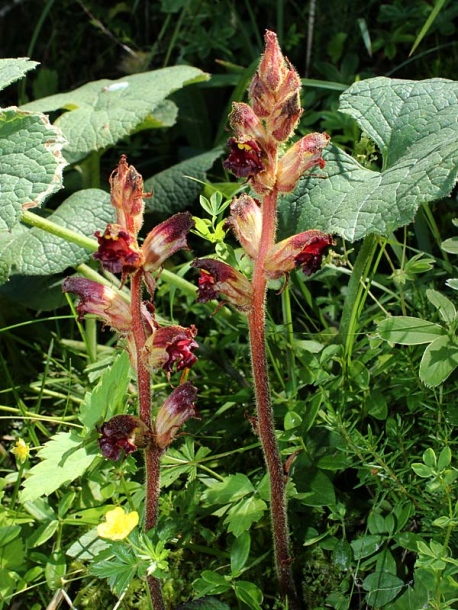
118	250
171	346
218	278
178	408
123	433
311	256
245	158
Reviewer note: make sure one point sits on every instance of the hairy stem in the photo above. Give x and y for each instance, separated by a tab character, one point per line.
152	453
266	427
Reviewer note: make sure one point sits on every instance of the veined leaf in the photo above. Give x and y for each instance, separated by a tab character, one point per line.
63	459
407	330
414	125
14	68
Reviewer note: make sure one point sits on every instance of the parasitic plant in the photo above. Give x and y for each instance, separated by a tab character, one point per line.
260	153
150	346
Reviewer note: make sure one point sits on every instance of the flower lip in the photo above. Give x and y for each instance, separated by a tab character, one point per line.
171	346
303	250
123	433
245	158
118	250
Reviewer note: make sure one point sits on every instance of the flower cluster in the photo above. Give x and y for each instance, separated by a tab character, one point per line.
170	348
257	152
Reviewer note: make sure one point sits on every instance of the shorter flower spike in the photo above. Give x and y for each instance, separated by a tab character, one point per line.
171	346
118	250
175	411
303	250
127	196
246	222
101	301
218	278
302	156
118	524
165	239
123	433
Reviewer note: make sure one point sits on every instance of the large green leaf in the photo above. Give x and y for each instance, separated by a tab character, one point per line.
407	330
37	252
102	112
174	189
439	361
12	69
31	162
414	125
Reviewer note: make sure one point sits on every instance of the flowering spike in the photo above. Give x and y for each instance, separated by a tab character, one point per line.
218	278
101	301
165	239
118	250
302	156
127	196
171	346
123	433
175	411
303	250
246	222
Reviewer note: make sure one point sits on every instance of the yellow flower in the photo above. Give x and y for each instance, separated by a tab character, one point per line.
21	450
118	524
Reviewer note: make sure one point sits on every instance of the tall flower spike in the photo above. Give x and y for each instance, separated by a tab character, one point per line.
177	409
218	278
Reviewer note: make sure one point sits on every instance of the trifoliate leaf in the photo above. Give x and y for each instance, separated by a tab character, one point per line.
31	162
174	189
37	252
102	112
63	459
414	125
12	69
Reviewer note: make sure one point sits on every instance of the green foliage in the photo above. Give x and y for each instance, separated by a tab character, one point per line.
366	416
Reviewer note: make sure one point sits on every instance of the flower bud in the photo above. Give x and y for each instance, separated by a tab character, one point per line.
171	346
165	239
101	301
246	222
218	278
123	433
245	123
302	156
303	250
175	411
127	196
118	250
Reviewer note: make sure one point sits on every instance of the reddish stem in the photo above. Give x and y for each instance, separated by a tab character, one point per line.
266	426
152	453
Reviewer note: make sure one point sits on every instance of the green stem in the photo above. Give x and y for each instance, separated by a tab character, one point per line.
353	302
266	426
50	227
